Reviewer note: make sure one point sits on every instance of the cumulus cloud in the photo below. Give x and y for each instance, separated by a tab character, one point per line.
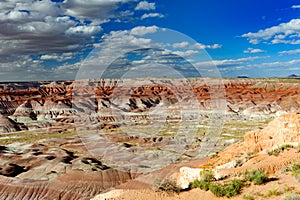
43	27
231	62
27	69
203	46
94	10
278	64
57	57
70	25
186	53
151	15
145	5
35	32
195	46
142	30
83	31
180	45
295	51
296	6
284	33
115	44
144	45
252	50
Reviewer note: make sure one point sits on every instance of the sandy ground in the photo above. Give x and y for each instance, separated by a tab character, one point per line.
283	185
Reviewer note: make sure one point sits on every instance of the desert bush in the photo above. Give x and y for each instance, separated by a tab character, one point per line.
256	176
273	192
217	190
228	190
233	188
203	185
168	186
296	171
295	167
207	175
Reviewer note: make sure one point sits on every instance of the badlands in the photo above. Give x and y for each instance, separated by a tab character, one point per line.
79	139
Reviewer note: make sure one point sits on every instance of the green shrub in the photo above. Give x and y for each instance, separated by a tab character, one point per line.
207	175
203	185
233	188
230	189
217	190
295	167
296	171
256	176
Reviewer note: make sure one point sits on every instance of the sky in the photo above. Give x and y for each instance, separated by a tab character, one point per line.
54	39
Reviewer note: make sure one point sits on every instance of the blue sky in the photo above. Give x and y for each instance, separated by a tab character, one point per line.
46	40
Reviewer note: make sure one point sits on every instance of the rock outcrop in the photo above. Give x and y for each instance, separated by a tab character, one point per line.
252	153
256	149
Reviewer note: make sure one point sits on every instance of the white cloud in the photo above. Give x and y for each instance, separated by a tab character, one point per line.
94	10
144	5
151	15
296	6
203	46
84	30
283	65
27	69
57	57
181	45
186	53
45	27
143	30
48	30
295	51
252	50
123	41
230	62
195	46
238	61
285	33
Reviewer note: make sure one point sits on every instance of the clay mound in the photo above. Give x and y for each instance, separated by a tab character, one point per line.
7	125
285	130
74	185
39	171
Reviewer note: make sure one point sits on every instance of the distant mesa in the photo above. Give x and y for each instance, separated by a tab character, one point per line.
242	77
293	76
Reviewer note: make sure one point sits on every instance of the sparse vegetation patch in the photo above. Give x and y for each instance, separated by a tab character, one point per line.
280	149
256	176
